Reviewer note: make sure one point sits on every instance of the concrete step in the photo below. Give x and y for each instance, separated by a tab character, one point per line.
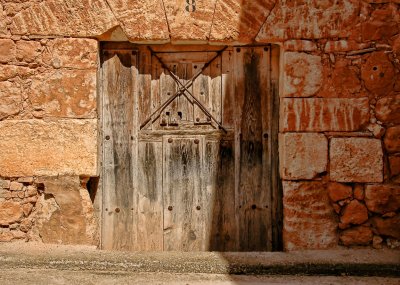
352	262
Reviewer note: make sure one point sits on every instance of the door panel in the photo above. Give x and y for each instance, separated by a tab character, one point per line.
179	181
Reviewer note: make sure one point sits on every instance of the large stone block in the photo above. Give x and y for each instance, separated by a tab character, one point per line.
64	216
79	18
388	109
10	212
239	21
10	99
382	199
141	20
356	236
387	227
309	219
354	213
392	139
302	155
7	50
28	51
72	53
356	160
35	147
64	93
310	19
323	114
303	74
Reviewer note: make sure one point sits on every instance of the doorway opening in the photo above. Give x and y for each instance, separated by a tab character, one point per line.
190	148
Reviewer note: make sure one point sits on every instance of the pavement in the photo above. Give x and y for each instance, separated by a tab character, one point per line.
36	263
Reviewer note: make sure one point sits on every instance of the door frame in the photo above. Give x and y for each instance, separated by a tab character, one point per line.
274	87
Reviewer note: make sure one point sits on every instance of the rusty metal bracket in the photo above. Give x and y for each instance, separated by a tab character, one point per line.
183	90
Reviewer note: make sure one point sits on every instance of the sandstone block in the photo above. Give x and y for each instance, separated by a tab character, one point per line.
27	209
323	114
10	99
238	20
65	94
299	45
356	160
16	186
354	213
56	147
382	199
79	18
392	139
6	236
378	73
386	227
28	179
141	20
5	184
339	191
10	212
303	74
7	50
31	191
356	236
309	219
343	46
28	51
72	53
310	20
17	234
388	109
303	155
11	71
61	218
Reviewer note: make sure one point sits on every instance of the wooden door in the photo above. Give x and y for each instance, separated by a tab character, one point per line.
190	148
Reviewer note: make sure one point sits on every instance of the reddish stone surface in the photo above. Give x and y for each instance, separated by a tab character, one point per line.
11	99
303	155
382	24
343	46
354	213
239	21
378	73
27	51
309	219
360	235
320	114
302	74
339	191
386	227
359	193
10	212
392	139
388	109
382	198
299	45
394	164
356	160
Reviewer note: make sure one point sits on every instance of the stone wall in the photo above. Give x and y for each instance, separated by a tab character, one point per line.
340	102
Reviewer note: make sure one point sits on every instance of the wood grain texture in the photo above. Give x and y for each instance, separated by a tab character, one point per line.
118	91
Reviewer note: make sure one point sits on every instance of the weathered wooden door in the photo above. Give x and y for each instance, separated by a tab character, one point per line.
189	154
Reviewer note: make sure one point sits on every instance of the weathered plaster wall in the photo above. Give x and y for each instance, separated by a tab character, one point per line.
340	99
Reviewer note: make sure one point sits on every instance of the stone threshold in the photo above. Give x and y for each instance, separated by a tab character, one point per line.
351	262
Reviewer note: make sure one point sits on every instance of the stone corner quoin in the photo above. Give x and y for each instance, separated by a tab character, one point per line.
339	100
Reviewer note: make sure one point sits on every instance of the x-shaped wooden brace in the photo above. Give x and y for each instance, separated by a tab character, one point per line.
183	89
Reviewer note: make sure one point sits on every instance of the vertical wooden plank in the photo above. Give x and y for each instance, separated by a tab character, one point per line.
183	72
118	101
215	97
182	198
201	89
168	88
228	95
150	206
219	169
253	186
144	84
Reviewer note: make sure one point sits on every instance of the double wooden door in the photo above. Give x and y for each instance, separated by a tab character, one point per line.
189	148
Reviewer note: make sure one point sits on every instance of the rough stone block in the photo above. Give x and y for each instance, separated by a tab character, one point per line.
7	50
10	99
360	235
392	139
382	199
64	93
386	227
382	24
339	191
239	21
72	53
388	109
378	73
28	51
299	45
309	219
35	147
302	74
16	186
394	164
303	155
354	213
10	212
356	160
343	46
323	114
